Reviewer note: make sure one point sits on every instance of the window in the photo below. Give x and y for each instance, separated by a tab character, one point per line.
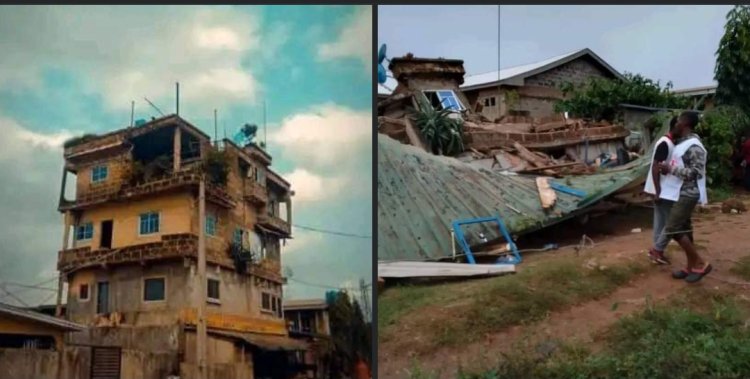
265	301
211	225
444	99
149	223
83	292
489	101
213	289
237	237
279	313
85	231
306	322
98	174
154	289
102	297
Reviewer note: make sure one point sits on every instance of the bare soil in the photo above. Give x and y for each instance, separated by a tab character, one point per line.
722	239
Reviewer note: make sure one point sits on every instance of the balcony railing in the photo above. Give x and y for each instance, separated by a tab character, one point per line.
275	223
173	181
255	192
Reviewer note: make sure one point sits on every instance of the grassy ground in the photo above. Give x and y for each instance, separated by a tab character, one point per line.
742	268
491	305
700	334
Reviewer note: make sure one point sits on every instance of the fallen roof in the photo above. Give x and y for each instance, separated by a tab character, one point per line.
303	304
440	269
30	315
515	75
420	195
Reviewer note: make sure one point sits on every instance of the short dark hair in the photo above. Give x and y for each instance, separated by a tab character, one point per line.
691	118
672	123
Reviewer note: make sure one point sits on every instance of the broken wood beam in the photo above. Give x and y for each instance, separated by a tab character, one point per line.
528	155
553	166
546	193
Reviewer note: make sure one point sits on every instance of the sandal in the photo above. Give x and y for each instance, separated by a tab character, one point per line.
681	274
696	275
658	257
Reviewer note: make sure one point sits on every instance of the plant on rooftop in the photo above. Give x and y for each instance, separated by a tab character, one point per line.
600	98
732	71
216	167
443	133
78	140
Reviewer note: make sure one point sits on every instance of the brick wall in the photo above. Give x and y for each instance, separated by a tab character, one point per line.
577	72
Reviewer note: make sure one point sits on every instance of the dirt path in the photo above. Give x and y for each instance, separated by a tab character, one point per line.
721	236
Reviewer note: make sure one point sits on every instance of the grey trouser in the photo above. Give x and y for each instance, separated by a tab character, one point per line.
661	214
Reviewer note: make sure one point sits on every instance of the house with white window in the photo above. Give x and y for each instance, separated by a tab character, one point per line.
133	232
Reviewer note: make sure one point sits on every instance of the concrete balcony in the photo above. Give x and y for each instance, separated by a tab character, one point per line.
255	193
276	224
170	246
189	178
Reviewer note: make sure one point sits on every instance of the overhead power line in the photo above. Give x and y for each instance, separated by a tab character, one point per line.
343	234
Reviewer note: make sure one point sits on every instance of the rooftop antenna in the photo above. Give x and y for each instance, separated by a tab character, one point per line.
177	100
264	125
498	42
216	135
224	124
155	107
132	112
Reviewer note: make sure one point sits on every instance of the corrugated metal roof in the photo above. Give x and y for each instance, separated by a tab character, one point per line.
420	195
39	317
493	77
300	304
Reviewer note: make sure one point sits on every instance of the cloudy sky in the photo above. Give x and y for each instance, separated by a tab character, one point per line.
68	70
668	43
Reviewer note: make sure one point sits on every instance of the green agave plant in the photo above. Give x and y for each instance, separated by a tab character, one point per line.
442	133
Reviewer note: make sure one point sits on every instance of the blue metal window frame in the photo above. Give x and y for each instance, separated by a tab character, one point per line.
503	230
211	225
153	291
99	174
85	231
448	100
149	223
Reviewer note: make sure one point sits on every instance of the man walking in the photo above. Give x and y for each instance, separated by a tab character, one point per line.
685	184
662	153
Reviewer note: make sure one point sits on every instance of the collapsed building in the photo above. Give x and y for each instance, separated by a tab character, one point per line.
148	203
531	170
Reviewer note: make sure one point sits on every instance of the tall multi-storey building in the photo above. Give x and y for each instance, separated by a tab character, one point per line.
134	224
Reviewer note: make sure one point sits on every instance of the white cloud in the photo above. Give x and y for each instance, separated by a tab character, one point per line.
127	53
309	187
354	39
327	136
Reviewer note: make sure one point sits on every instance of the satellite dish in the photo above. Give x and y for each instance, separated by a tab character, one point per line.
382	77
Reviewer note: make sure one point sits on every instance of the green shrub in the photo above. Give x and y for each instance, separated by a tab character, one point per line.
442	133
719	130
79	140
600	99
216	167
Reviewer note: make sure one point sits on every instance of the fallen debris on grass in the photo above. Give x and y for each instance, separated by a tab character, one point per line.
406	269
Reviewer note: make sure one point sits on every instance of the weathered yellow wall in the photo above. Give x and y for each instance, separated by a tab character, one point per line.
15	325
175	214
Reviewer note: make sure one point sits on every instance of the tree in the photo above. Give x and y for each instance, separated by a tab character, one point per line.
600	98
350	334
732	70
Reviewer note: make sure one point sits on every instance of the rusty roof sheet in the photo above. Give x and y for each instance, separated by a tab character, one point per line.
420	195
27	314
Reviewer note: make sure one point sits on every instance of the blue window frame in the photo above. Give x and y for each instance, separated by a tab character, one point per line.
211	225
237	238
449	101
98	174
84	231
149	223
154	289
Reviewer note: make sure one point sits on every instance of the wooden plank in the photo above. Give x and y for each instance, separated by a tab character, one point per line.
405	269
528	155
567	164
546	193
413	135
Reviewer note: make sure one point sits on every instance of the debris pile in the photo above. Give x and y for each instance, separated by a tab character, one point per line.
516	143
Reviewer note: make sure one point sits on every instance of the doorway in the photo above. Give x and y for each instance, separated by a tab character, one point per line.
106	240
